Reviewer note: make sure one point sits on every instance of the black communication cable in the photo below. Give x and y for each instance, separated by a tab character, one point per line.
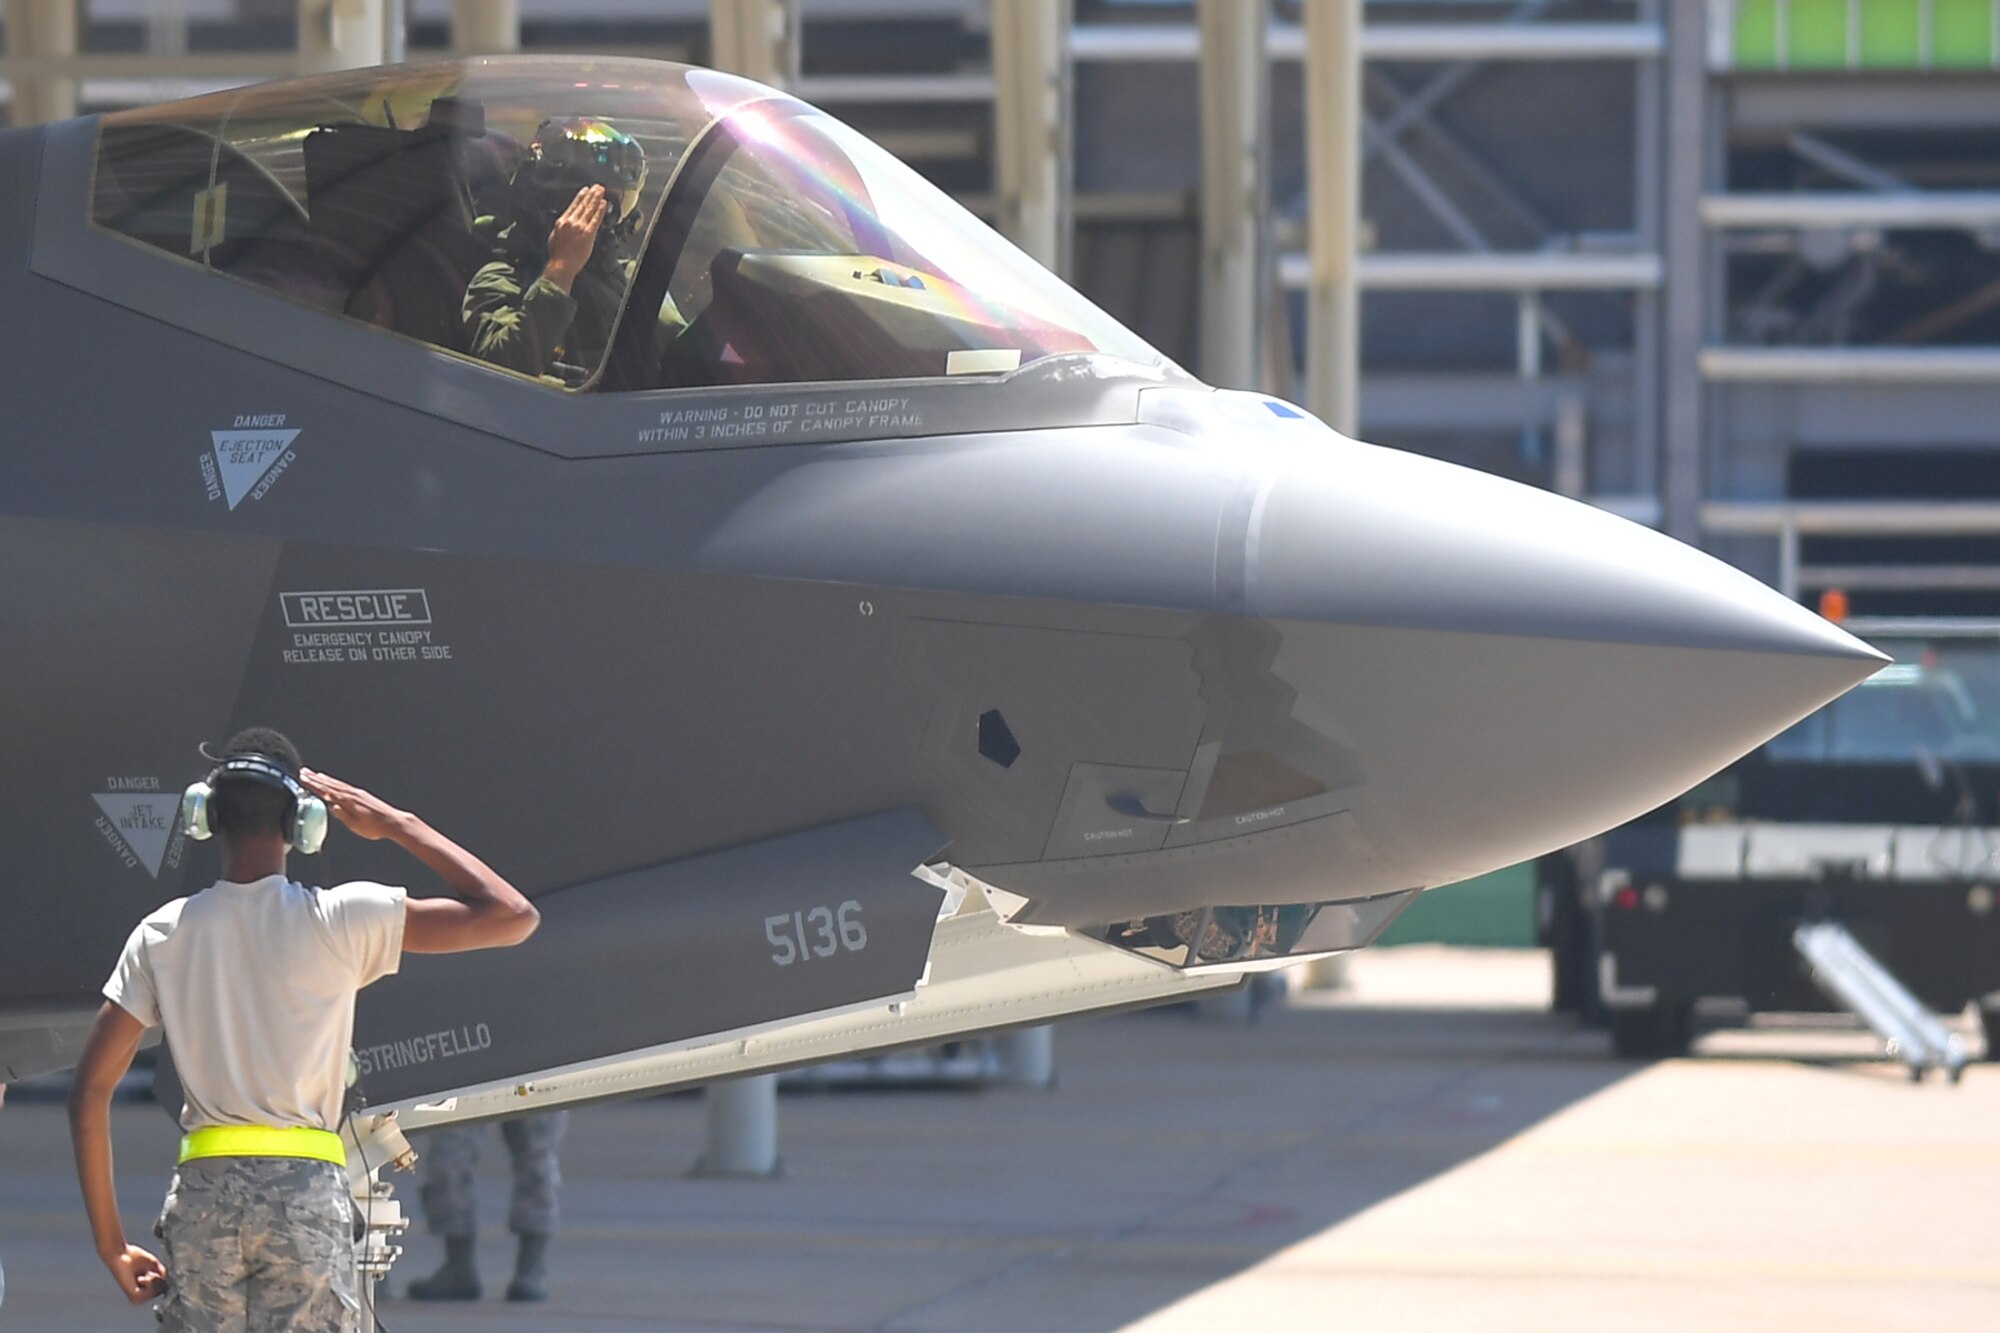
368	1215
353	1099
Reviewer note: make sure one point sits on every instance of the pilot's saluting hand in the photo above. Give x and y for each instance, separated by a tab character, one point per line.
574	236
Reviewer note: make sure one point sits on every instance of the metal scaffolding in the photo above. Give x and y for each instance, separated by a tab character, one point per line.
42	39
1333	211
1235	191
1686	357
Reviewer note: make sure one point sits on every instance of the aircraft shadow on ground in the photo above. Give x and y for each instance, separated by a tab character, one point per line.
1421	1091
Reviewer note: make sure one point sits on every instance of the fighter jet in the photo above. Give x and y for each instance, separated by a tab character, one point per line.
849	635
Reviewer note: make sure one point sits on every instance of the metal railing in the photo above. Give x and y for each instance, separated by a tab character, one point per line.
1972	210
1412	42
1520	271
1790	522
1852	365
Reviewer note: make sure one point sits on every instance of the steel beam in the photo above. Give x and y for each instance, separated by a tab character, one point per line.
485	27
205	66
1412	42
1902	578
1028	1057
1235	213
825	89
39	33
1922	627
1648	159
742	1128
1571	472
1032	153
758	39
1333	192
1854	518
1852	365
1418	401
342	34
1685	319
1501	271
1924	100
1844	164
395	31
147	67
1968	209
1407	42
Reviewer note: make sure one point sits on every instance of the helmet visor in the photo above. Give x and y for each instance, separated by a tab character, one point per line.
579	152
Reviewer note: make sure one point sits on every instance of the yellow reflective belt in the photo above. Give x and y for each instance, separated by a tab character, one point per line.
261	1141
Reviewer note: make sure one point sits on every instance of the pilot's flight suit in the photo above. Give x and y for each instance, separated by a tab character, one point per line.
514	318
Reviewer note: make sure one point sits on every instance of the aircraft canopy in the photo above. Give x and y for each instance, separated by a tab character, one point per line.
748	238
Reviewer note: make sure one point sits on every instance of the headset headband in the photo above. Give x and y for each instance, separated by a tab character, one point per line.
259	768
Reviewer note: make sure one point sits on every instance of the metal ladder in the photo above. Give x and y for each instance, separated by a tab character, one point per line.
1850	974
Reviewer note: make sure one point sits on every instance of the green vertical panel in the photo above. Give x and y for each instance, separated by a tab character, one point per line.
1757	34
1962	34
1494	910
1889	34
1818	36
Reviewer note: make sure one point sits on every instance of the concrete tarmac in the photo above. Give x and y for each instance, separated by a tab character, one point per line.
1428	1151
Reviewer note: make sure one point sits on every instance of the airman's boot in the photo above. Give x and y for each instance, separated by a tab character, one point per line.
456	1280
531	1269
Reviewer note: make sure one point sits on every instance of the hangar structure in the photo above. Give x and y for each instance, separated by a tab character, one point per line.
1727	267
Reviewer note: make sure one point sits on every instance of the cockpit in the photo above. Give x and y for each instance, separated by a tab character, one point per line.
742	237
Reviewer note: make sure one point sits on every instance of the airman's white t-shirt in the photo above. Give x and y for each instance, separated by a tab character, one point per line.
255	986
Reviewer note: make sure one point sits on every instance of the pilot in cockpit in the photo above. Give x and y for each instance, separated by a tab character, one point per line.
547	301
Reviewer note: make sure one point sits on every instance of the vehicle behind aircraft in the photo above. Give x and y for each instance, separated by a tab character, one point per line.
1879	812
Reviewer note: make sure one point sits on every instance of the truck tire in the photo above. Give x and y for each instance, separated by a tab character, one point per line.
1566	931
1659	1032
1989	1023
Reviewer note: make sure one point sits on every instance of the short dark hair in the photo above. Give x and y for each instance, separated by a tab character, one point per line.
244	807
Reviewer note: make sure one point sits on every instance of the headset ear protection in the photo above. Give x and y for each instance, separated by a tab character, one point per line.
305	822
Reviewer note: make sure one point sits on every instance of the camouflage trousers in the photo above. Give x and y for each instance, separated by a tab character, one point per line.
450	1206
258	1245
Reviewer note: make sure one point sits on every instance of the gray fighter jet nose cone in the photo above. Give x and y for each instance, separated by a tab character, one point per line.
1517	670
1377	536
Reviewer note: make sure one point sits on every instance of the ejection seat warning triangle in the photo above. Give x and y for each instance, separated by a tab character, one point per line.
243	457
144	821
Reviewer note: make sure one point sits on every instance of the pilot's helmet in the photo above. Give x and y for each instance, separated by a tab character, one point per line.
572	152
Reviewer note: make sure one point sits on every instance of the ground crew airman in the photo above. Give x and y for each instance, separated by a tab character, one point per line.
451	1207
253	981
